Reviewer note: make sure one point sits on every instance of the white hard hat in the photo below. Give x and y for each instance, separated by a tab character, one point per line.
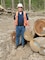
20	5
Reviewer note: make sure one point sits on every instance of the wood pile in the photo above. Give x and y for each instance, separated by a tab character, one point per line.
37	44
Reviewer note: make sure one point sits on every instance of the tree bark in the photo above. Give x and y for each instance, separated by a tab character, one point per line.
24	4
44	4
19	1
29	5
12	6
1	2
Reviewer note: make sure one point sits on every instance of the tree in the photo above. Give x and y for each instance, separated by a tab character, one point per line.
44	4
3	3
29	5
24	4
12	6
19	1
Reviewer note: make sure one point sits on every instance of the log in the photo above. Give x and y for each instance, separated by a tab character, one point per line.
38	45
28	35
34	46
39	27
40	41
42	51
13	36
2	9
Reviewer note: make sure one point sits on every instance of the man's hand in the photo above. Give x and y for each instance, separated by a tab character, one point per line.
27	23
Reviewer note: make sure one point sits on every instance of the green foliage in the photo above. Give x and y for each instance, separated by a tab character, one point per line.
27	4
0	1
35	4
8	3
15	3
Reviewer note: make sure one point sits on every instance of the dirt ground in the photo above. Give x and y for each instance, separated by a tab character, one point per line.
7	49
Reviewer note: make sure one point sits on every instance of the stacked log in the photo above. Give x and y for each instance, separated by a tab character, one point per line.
34	46
37	44
39	27
28	35
42	51
41	43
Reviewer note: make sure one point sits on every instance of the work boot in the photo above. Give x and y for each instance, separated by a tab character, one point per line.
16	47
23	46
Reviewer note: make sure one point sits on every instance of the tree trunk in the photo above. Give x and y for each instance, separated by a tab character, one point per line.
1	2
24	4
29	5
4	3
19	1
12	6
44	4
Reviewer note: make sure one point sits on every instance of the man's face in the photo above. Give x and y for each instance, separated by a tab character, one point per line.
20	9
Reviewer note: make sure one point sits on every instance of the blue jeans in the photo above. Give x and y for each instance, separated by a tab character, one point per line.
20	32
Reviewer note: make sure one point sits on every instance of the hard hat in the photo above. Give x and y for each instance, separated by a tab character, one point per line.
20	5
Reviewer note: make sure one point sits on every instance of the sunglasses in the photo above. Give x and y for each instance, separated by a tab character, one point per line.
19	7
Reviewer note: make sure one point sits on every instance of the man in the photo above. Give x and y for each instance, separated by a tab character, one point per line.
20	21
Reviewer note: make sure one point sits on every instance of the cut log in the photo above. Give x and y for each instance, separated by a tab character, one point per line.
28	35
34	46
2	9
42	51
13	36
39	27
40	41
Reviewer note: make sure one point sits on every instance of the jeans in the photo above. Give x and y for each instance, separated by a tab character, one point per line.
20	32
